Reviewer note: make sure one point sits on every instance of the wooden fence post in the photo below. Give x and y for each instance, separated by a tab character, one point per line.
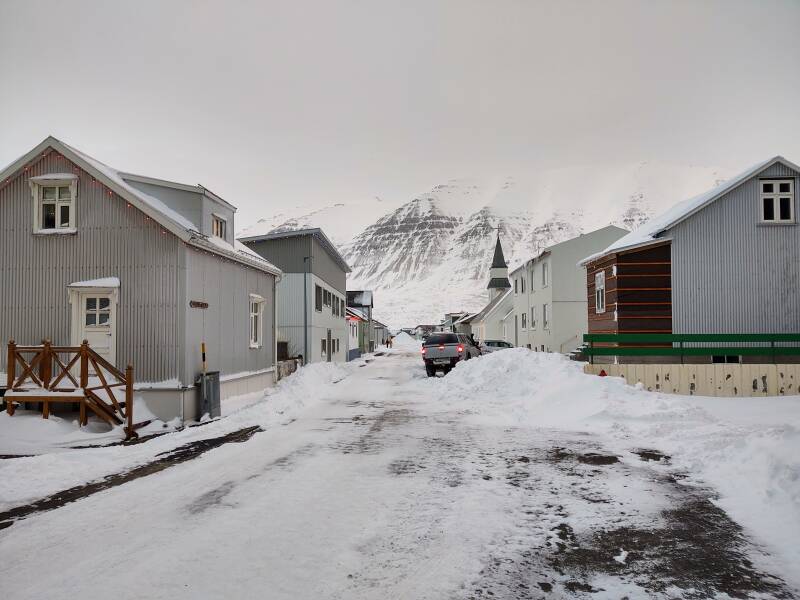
84	364
46	366
10	374
129	398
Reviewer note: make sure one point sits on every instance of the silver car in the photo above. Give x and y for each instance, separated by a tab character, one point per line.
488	346
442	351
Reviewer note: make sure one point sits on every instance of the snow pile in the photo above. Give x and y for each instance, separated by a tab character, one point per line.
403	342
749	455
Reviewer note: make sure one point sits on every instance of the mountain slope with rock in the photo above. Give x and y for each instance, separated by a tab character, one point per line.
431	255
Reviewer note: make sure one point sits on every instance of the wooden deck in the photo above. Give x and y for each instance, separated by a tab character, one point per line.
70	374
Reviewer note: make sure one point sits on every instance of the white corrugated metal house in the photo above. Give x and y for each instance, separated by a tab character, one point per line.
550	293
724	262
145	269
311	293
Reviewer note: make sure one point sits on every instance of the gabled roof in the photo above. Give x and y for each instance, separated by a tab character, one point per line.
151	206
491	307
650	232
466	319
314	232
498	260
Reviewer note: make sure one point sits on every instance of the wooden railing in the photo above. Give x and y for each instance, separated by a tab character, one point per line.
47	370
771	345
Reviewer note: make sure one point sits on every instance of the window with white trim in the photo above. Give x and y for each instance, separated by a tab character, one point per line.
53	204
545	274
545	316
219	227
777	200
524	321
533	317
256	321
600	292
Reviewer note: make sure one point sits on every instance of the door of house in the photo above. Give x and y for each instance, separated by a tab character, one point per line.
330	348
95	320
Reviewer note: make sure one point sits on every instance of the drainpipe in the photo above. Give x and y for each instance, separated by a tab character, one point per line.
306	269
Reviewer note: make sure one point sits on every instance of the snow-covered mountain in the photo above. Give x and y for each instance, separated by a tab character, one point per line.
431	255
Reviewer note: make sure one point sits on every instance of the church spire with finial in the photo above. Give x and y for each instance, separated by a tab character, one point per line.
498	272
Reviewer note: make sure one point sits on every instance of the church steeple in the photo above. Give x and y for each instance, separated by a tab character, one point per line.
498	272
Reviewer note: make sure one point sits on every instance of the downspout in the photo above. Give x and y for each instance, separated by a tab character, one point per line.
275	327
306	260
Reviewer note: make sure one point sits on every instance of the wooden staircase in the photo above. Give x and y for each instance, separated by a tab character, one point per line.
45	377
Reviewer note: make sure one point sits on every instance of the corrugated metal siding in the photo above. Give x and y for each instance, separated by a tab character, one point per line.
327	269
112	240
733	275
225	324
285	253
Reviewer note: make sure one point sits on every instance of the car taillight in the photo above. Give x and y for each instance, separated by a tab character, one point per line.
424	350
461	348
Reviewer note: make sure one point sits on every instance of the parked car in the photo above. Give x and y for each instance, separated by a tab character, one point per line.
488	346
442	351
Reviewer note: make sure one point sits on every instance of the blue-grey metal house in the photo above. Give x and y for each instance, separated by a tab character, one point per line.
726	261
144	269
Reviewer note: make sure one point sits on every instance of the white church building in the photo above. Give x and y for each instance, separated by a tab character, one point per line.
489	323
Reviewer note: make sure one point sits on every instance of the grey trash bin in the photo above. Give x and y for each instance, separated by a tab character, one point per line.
208	386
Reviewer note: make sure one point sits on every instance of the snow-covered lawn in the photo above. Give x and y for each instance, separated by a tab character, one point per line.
513	476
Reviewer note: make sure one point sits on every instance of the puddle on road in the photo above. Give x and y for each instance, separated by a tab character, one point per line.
163	461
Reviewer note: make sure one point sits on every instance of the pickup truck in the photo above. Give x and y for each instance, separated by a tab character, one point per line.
442	351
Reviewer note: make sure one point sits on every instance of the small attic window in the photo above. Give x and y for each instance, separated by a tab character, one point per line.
777	200
54	203
218	227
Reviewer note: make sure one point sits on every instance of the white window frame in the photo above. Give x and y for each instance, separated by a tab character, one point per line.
600	284
546	316
774	197
545	274
533	317
524	320
37	185
256	309
219	226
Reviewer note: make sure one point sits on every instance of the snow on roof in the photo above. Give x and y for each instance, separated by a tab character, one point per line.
490	308
652	229
54	176
151	201
103	282
360	298
150	205
315	232
242	251
356	313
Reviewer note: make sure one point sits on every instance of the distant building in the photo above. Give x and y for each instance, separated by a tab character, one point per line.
450	320
725	261
311	306
549	296
358	336
421	331
362	301
464	324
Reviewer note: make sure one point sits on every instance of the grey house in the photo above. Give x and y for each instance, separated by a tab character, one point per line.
726	261
146	270
312	310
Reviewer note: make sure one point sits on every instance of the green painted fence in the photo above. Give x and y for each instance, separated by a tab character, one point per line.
701	344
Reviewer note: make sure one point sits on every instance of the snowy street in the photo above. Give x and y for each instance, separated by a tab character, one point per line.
382	483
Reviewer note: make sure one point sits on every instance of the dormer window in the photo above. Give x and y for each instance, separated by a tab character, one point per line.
777	200
54	200
218	227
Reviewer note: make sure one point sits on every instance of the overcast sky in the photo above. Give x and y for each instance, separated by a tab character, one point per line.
288	103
